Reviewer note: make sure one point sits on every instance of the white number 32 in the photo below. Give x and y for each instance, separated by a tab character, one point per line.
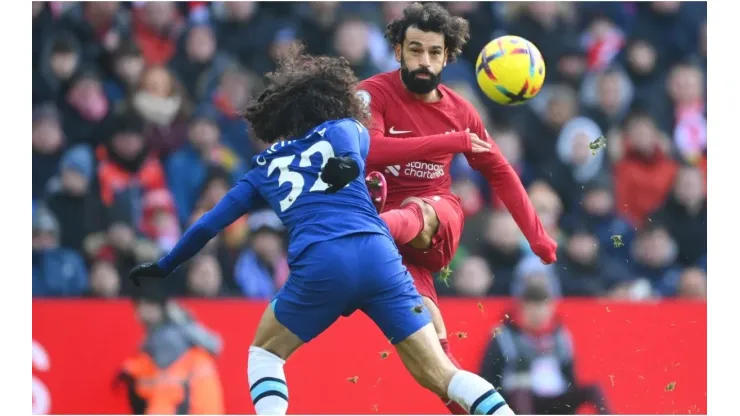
296	179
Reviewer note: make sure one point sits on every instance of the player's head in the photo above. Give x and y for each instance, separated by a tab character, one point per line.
303	92
425	39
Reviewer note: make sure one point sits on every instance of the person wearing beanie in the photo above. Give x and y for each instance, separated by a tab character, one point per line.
69	196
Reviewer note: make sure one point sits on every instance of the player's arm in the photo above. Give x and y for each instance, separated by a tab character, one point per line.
508	187
345	138
392	150
231	207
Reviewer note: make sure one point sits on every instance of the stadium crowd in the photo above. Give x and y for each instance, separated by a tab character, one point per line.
136	133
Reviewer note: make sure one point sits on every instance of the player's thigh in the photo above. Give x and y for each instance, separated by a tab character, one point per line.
274	337
394	304
307	307
424	358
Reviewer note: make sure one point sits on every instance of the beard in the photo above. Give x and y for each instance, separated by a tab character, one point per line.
419	85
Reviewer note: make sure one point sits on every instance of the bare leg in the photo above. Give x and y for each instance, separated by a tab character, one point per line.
422	355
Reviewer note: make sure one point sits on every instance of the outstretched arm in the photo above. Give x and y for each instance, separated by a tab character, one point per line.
231	207
507	186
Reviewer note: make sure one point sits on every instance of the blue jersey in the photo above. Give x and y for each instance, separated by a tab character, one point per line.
287	176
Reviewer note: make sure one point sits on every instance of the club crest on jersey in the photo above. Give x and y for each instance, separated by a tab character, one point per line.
364	96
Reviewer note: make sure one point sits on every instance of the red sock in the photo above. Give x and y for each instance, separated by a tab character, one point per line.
404	223
452	406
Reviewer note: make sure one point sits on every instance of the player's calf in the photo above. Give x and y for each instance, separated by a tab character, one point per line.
422	355
272	345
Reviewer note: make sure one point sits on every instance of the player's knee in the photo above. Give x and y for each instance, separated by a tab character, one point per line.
431	223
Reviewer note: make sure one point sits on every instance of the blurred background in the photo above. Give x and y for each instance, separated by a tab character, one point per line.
136	134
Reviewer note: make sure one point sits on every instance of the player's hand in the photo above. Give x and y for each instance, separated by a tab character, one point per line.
478	145
146	270
546	250
338	172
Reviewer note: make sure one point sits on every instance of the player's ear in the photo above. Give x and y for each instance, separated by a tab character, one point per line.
397	50
447	55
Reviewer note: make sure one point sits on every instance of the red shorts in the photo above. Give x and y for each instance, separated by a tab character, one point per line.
421	263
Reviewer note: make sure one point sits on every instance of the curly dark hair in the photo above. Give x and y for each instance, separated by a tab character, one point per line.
431	17
303	92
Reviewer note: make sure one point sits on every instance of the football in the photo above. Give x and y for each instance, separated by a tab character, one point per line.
510	70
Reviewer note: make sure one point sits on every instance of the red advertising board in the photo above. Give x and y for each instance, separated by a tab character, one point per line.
632	350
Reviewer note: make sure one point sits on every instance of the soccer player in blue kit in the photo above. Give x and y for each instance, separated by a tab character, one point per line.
341	255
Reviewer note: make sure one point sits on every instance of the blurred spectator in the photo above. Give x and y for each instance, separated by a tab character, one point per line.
531	271
317	23
47	144
126	162
473	278
105	282
127	66
42	27
645	172
603	41
693	284
60	60
645	67
684	215
85	108
577	165
352	40
608	96
204	278
175	371
230	99
159	221
502	249
200	64
156	27
686	89
163	105
69	197
99	26
572	63
544	23
541	128
584	270
188	167
57	271
531	358
597	213
216	185
240	26
262	268
653	258
665	24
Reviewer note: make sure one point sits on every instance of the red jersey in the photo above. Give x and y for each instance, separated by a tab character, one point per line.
413	142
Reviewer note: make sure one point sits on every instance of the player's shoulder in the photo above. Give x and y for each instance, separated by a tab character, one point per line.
377	84
465	107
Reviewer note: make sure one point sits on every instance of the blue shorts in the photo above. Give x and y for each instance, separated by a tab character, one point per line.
336	277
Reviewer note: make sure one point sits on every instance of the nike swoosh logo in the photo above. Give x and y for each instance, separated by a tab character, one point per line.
394	131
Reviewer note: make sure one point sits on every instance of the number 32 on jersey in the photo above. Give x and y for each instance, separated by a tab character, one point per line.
295	179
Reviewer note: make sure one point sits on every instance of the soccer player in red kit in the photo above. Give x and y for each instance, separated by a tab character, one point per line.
418	125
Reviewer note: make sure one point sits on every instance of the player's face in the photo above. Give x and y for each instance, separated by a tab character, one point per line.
422	57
